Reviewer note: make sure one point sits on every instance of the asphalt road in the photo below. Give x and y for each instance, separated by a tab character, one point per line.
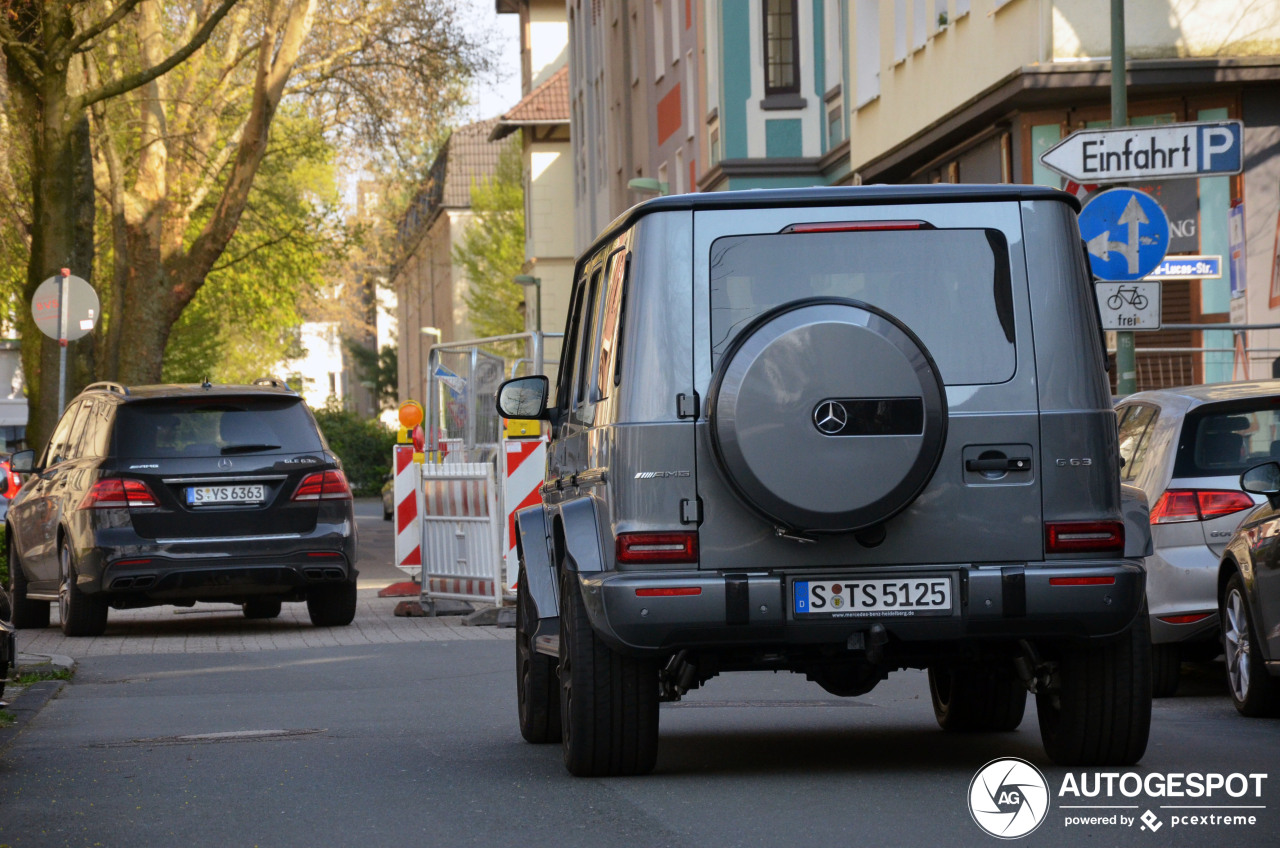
414	741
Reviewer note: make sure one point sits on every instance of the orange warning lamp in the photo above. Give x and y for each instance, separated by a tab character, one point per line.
410	414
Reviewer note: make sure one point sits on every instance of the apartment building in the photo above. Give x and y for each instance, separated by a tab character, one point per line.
975	90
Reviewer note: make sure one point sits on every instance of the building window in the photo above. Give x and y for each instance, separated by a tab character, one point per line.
867	54
781	48
835	123
690	95
713	144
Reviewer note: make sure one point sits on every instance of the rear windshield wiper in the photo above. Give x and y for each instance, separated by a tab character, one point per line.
247	448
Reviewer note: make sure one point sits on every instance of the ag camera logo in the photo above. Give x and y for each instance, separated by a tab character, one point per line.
1008	798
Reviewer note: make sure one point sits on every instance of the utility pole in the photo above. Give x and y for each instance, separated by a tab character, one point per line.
1126	367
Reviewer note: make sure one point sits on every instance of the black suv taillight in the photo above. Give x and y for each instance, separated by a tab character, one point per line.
323	486
117	493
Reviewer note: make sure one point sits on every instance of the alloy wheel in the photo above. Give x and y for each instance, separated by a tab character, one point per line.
64	583
1236	644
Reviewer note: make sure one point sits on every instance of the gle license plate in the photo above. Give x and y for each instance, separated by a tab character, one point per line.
850	598
208	495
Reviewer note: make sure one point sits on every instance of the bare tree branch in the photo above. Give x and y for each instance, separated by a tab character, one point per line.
141	78
82	39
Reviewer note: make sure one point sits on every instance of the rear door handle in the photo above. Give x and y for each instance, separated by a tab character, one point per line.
1008	463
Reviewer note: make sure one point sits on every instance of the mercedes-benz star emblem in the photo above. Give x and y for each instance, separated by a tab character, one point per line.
830	417
224	463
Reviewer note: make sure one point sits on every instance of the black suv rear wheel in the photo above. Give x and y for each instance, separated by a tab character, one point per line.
82	614
1099	714
27	614
608	701
332	606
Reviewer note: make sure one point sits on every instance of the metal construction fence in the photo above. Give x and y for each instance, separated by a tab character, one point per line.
465	497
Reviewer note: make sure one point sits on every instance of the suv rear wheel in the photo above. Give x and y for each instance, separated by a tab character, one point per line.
1100	711
262	608
332	606
974	699
608	701
27	614
537	689
82	614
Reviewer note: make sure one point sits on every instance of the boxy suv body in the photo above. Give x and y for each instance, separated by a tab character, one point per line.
173	494
838	432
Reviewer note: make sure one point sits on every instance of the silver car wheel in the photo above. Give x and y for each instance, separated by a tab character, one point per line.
1236	645
64	583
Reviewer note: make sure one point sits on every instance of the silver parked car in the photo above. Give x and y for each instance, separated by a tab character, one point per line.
1186	448
838	432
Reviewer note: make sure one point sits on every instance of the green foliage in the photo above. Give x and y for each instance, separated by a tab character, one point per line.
40	676
378	368
491	251
363	445
243	322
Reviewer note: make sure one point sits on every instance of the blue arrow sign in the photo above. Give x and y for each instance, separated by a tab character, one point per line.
1126	232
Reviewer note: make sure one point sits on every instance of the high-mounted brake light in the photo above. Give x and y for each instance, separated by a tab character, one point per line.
1179	505
117	493
638	548
323	486
1084	537
855	226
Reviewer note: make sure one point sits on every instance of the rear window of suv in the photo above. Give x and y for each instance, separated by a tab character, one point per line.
1225	440
215	426
950	287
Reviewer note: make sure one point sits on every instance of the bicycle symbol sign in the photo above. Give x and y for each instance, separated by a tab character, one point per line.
1129	306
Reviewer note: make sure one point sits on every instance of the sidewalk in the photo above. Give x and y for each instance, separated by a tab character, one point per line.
222	628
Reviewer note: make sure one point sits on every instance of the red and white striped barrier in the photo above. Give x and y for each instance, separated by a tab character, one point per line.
526	465
408	521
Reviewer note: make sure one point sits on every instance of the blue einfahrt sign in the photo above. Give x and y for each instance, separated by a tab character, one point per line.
1126	232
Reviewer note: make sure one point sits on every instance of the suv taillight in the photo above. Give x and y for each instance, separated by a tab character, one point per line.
1178	505
1084	537
118	493
638	548
323	486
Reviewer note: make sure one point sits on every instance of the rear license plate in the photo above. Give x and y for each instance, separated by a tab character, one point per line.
208	495
854	598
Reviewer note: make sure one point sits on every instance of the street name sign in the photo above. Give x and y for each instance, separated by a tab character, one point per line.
83	309
1129	306
1126	233
1168	151
1188	268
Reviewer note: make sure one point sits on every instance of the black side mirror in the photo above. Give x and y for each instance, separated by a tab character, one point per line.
1262	479
23	462
524	397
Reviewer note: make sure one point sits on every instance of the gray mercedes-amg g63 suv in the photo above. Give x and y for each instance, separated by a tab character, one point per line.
840	432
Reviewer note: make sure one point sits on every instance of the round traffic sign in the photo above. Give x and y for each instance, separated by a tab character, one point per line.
1126	233
82	307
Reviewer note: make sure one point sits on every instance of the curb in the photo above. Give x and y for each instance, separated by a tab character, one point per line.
33	698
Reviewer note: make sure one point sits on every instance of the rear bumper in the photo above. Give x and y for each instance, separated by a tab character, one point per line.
133	571
736	610
1182	581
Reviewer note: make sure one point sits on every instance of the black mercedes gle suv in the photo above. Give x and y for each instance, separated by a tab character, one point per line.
177	494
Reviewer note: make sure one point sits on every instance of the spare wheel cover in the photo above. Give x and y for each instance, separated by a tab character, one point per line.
828	415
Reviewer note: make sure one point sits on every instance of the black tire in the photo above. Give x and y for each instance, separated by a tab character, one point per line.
537	687
1253	691
27	614
1099	713
1166	669
332	606
262	608
608	701
82	614
970	699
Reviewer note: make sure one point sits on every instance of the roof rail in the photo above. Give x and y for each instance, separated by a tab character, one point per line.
274	382
108	386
